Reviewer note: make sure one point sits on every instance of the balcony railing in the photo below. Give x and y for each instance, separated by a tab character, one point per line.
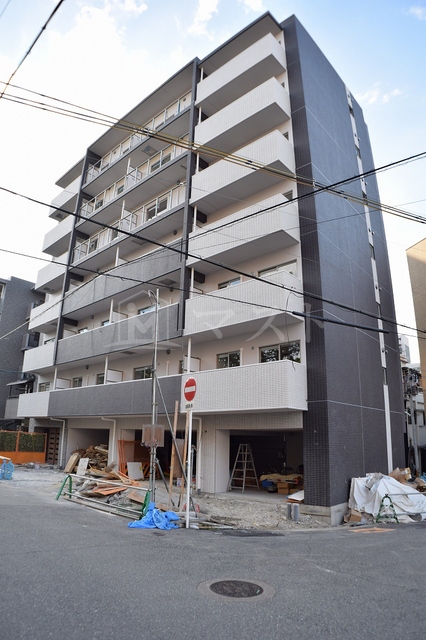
104	237
162	203
132	141
131	178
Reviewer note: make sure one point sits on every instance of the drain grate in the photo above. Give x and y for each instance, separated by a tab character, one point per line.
236	589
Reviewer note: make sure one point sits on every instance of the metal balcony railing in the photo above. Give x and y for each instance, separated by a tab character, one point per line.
134	176
132	141
104	237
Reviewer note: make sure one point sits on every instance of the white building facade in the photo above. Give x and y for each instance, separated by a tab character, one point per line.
195	197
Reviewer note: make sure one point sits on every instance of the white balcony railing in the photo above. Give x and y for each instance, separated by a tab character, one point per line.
132	141
130	179
234	305
39	358
104	237
34	405
279	385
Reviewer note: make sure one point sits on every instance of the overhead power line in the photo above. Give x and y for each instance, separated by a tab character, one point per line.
250	276
109	121
32	45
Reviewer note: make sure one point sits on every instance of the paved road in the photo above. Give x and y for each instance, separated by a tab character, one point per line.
69	572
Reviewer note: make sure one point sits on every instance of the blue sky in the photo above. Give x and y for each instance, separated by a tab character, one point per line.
108	54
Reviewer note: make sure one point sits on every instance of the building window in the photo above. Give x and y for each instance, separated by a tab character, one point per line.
44	386
100	378
289	267
146	309
286	351
77	382
231	359
142	373
83	330
288	195
229	283
104	323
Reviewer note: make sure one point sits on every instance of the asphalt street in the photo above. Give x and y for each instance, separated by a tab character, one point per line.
67	571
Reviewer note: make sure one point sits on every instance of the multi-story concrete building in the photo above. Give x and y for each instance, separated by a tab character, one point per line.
17	299
416	258
204	192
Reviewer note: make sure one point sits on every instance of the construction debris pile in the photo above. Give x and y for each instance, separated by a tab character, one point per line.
397	497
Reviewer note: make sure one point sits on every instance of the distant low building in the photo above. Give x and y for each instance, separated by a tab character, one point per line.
17	299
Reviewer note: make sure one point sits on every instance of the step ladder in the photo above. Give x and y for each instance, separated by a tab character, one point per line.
243	474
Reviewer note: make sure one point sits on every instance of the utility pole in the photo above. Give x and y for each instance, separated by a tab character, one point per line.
154	405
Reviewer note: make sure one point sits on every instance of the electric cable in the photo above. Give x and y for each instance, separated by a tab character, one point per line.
32	46
232	157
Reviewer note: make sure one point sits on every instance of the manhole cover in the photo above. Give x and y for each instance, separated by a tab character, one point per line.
236	589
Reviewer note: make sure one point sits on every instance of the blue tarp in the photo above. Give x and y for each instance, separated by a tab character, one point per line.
6	470
155	519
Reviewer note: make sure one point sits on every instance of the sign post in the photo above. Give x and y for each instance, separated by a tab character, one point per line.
189	391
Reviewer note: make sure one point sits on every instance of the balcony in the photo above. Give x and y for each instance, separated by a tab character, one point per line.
271	386
34	405
224	182
134	140
103	239
251	235
56	241
44	318
67	200
120	336
232	311
259	62
51	277
39	358
160	266
115	399
262	109
136	187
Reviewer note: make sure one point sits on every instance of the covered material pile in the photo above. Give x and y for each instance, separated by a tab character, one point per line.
395	497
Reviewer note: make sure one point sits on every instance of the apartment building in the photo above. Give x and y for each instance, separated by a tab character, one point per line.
191	224
416	258
17	299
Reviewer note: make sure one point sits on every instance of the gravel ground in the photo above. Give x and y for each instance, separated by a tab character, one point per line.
253	510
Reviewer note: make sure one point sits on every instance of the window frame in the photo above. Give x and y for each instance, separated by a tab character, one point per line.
144	368
227	354
279	348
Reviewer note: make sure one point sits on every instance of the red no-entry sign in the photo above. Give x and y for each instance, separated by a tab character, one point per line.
190	389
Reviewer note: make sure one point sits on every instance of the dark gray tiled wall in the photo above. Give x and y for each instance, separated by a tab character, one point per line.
121	399
344	428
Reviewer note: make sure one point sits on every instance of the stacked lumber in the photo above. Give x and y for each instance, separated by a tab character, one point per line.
97	458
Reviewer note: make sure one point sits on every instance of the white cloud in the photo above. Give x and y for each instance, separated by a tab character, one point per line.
204	13
377	96
418	12
252	5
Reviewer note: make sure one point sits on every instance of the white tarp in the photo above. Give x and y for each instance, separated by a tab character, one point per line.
367	493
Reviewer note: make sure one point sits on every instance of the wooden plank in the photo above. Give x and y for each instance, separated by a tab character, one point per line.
73	459
109	490
173	458
137	496
185	447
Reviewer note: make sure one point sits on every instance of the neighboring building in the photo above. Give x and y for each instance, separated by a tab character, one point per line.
17	299
230	242
414	419
404	349
416	257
